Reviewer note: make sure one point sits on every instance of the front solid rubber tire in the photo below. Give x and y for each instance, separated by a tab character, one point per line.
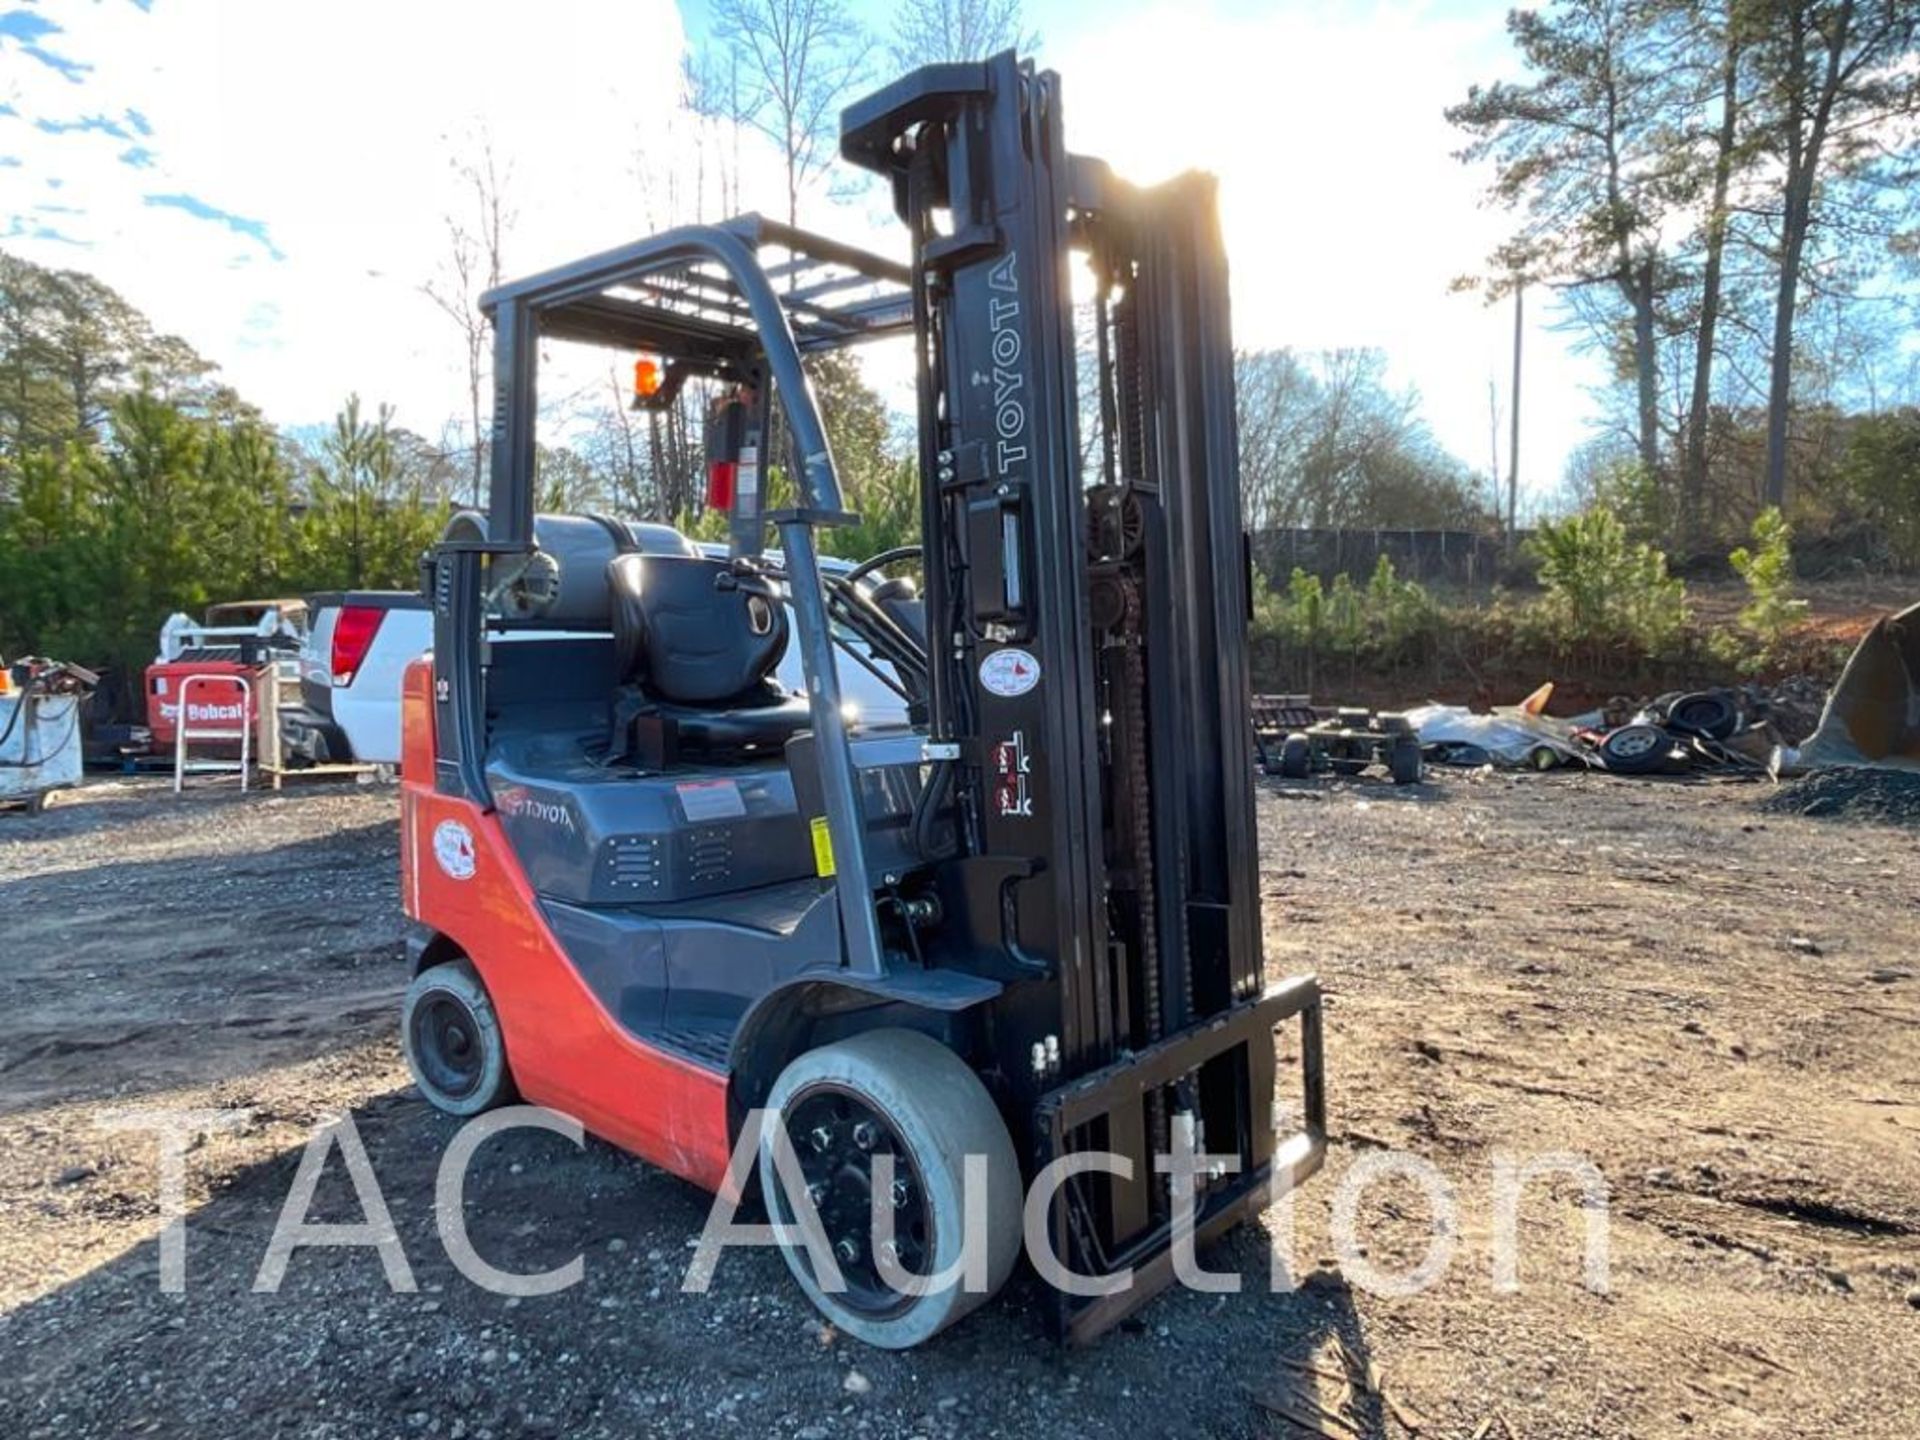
941	1112
454	989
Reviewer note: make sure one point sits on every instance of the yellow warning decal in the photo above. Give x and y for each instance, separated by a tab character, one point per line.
822	847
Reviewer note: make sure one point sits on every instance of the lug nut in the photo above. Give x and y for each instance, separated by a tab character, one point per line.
822	1138
866	1135
901	1194
846	1251
817	1194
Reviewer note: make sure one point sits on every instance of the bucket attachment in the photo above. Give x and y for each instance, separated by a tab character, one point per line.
1872	718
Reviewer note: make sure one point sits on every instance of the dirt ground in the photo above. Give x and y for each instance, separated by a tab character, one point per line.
1718	1007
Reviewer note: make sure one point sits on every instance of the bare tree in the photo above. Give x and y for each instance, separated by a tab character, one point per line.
797	61
712	100
1840	89
1586	148
1726	144
1325	441
472	267
928	32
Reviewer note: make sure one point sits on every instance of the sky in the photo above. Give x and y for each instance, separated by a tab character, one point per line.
271	179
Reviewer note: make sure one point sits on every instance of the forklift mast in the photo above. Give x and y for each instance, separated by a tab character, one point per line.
1087	643
1087	635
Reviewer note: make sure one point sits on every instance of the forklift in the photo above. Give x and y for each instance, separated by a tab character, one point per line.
651	889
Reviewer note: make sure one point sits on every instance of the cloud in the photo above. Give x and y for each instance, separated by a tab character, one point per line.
20	229
100	123
201	210
25	29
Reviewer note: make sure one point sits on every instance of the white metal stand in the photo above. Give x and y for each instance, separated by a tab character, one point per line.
186	730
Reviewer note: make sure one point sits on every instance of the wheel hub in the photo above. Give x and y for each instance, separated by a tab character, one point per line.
844	1138
1635	744
446	1045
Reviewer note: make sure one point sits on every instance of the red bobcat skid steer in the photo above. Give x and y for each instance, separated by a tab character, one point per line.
656	891
238	640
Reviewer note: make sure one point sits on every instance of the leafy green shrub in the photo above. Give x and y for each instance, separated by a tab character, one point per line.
709	526
1296	616
1604	590
1402	616
1343	628
1768	570
1388	621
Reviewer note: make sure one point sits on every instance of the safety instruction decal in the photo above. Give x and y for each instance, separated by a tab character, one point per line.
1009	672
822	848
1012	767
711	800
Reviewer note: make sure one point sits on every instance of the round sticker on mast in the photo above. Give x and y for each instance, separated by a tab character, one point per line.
1009	672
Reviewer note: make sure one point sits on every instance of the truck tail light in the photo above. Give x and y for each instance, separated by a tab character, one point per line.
353	632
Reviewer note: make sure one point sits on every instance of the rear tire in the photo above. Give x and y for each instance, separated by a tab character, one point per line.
1403	761
929	1109
1296	757
453	1042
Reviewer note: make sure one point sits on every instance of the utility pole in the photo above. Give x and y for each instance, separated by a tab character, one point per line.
1513	439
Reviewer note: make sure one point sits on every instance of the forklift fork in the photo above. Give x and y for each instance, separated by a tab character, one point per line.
1265	1162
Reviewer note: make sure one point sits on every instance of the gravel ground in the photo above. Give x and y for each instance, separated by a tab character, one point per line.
1717	1005
1886	797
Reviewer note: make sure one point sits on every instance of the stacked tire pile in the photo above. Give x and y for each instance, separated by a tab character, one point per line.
1679	732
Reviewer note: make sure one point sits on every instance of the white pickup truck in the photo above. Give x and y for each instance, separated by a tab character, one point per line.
359	643
358	646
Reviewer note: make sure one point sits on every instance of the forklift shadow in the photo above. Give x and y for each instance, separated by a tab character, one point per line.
622	1351
1285	1362
335	1334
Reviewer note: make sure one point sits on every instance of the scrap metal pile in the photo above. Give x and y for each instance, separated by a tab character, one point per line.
1870	720
1721	729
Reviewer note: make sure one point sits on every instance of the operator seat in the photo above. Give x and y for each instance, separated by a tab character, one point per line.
695	641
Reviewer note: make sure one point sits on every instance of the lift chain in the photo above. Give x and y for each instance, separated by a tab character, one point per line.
1129	637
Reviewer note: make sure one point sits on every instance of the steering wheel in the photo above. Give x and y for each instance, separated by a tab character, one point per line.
882	560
